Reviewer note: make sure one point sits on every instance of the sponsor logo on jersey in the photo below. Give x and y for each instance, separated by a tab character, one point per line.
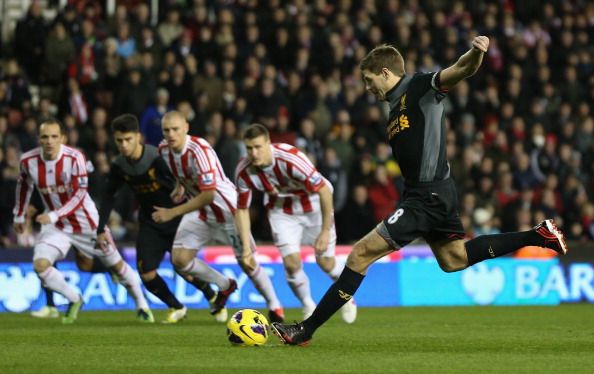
58	189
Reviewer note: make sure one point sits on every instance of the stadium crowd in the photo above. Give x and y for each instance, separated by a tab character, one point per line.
520	134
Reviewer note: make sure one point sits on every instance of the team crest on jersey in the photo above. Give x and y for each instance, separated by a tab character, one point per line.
207	178
152	173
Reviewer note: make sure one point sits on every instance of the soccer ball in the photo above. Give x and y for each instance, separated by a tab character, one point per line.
247	327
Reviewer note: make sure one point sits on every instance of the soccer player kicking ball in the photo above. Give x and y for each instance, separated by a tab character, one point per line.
142	168
299	203
208	215
59	173
429	206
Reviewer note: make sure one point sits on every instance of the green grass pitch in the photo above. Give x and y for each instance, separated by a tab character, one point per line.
556	339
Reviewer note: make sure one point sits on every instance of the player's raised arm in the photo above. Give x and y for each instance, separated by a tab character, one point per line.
467	64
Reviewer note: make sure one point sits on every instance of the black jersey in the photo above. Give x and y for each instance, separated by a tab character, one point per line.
416	128
150	180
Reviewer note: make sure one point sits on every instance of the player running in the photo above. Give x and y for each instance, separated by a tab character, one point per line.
59	173
140	166
207	215
299	204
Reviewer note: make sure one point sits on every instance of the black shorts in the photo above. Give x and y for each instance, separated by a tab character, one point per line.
428	210
151	244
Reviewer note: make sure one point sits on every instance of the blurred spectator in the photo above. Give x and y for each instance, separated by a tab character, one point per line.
171	28
357	218
383	195
150	121
29	41
523	126
134	96
58	54
308	143
335	173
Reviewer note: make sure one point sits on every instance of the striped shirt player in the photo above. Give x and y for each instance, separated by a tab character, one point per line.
197	168
59	173
298	200
208	215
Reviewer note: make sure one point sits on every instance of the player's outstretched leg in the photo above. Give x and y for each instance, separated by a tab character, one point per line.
485	247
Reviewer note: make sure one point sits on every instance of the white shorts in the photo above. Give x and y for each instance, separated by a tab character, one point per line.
290	232
194	233
53	244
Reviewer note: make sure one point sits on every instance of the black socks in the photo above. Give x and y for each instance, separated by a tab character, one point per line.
158	287
490	246
337	295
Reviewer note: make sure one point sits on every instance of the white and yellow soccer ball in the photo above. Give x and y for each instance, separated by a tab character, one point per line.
248	327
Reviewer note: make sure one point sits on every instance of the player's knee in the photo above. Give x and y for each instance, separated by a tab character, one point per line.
180	259
247	264
84	264
325	263
41	265
454	262
357	258
148	276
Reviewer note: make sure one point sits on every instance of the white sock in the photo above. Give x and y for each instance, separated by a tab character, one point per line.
54	280
202	271
263	284
336	270
128	279
299	283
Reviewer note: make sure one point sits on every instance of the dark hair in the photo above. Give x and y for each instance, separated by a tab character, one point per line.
255	130
383	56
125	123
52	121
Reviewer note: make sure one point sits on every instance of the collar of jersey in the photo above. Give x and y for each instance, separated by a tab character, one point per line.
398	89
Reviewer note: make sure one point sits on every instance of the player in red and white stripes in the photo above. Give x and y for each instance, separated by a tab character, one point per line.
208	214
300	211
59	173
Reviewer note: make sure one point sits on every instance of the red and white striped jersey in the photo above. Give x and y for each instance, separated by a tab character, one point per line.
197	168
290	183
62	184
